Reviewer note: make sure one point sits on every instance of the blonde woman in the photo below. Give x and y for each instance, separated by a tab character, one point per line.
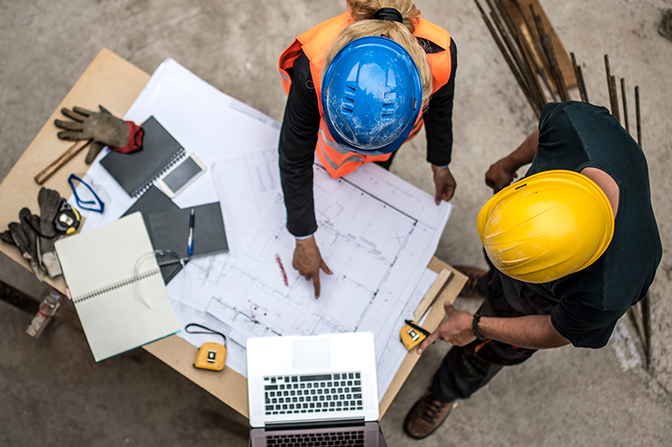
360	85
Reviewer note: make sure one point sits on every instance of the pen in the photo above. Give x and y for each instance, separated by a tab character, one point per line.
190	249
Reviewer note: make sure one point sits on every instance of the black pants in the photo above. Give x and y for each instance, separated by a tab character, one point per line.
466	369
387	163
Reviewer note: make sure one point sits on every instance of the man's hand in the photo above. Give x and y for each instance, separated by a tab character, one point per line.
308	261
500	175
444	184
503	172
456	329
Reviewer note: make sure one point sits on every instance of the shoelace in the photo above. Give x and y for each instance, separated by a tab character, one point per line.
431	409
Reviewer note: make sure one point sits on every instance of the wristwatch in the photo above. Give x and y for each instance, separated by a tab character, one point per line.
474	327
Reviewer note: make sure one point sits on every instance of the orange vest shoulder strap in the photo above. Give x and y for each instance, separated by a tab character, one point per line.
317	40
428	30
440	63
314	43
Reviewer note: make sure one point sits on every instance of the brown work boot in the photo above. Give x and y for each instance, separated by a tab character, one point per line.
470	289
426	416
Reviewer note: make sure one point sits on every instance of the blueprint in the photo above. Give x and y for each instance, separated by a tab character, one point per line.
377	233
378	247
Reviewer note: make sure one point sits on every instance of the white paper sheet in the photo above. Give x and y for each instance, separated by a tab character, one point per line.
376	232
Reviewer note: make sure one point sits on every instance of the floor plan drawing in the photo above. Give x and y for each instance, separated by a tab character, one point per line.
377	249
377	233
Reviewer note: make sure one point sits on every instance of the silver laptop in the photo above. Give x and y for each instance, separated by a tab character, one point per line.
313	390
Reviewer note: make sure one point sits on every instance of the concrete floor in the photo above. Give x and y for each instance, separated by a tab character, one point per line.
52	393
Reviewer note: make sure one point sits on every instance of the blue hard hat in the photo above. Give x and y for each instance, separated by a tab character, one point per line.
371	95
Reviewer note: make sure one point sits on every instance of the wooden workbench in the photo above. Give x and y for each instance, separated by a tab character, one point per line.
114	82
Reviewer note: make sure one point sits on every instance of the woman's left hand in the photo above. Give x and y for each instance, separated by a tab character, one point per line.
444	183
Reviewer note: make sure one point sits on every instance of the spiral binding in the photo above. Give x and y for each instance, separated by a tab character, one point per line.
140	190
117	285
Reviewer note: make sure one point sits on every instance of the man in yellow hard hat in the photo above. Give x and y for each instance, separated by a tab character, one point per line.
571	247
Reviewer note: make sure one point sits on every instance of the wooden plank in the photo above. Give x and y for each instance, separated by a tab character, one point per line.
429	298
436	314
564	61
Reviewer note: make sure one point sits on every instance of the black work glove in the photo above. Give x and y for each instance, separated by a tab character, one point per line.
50	202
26	240
103	128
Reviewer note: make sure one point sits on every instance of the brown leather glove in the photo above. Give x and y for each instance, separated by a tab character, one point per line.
101	127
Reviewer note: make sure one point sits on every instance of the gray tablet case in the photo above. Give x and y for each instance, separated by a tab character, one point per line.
169	230
136	172
154	201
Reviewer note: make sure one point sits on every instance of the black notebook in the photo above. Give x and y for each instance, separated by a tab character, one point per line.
154	201
169	230
136	172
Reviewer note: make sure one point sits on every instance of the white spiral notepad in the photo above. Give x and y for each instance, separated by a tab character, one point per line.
117	287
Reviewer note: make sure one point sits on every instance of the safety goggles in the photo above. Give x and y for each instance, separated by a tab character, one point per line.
86	199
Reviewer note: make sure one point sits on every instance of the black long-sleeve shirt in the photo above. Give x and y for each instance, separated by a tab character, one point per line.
301	124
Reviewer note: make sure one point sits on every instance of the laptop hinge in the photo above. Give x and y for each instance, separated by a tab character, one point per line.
331	423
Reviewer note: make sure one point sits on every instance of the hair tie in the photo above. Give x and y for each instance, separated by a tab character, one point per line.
389	14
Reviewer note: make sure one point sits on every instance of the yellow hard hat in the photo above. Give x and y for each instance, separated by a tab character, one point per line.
546	226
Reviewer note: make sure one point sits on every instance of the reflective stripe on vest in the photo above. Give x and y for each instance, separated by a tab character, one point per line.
314	43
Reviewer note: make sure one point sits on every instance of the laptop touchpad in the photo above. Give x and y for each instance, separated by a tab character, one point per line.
311	354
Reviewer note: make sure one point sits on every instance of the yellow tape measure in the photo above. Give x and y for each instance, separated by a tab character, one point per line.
210	355
412	334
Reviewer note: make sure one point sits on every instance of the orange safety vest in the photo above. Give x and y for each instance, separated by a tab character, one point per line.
315	43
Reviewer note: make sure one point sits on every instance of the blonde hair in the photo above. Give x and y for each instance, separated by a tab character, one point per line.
362	12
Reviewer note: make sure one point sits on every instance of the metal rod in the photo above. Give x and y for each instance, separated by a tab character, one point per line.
625	105
637	113
556	67
516	58
606	66
538	26
536	39
633	315
646	320
582	85
614	94
535	51
645	303
526	53
547	45
576	74
506	55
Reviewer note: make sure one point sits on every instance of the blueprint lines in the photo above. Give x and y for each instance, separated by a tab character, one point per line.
374	244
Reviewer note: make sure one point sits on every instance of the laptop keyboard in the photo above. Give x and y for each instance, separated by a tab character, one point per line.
317	393
355	438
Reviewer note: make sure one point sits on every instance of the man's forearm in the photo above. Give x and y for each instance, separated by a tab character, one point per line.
531	332
524	154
